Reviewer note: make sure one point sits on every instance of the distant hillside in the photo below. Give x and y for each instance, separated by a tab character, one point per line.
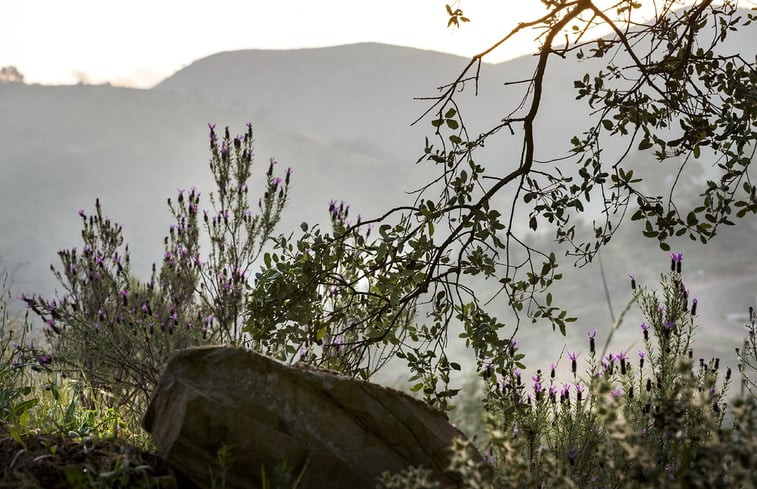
62	147
361	95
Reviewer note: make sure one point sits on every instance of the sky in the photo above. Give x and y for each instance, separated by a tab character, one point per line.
139	42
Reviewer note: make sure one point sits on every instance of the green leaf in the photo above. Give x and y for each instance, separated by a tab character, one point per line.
452	124
22	407
450	113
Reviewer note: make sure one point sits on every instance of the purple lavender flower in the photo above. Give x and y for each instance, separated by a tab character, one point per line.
694	303
44	361
573	357
592	346
616	393
622	358
571	454
579	391
675	262
645	329
538	389
486	371
633	281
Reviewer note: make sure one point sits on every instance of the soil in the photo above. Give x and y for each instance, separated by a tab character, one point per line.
57	462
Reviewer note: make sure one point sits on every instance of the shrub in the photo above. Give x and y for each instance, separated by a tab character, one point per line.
655	420
114	331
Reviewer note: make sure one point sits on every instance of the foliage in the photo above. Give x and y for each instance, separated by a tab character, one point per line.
10	74
116	332
655	421
666	90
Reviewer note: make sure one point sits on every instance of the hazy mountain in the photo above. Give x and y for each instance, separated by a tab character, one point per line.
361	95
62	147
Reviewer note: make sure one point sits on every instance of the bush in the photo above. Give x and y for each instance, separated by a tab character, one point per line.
115	332
657	420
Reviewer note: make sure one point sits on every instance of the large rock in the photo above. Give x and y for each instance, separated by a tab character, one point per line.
336	431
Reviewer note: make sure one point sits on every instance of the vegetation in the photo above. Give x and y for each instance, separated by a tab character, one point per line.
370	291
651	418
462	246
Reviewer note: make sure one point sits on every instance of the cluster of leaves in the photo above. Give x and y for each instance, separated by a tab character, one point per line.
116	332
655	421
10	74
337	300
666	87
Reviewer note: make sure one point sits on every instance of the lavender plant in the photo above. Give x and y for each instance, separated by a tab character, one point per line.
115	331
656	418
16	354
747	356
652	418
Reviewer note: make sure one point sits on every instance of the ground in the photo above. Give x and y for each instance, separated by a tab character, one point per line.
58	462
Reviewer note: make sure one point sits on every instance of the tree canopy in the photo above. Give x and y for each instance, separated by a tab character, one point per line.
667	87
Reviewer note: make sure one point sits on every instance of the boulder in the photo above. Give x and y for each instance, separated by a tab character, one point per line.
329	430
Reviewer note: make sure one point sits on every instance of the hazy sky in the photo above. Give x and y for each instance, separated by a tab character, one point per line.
139	42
